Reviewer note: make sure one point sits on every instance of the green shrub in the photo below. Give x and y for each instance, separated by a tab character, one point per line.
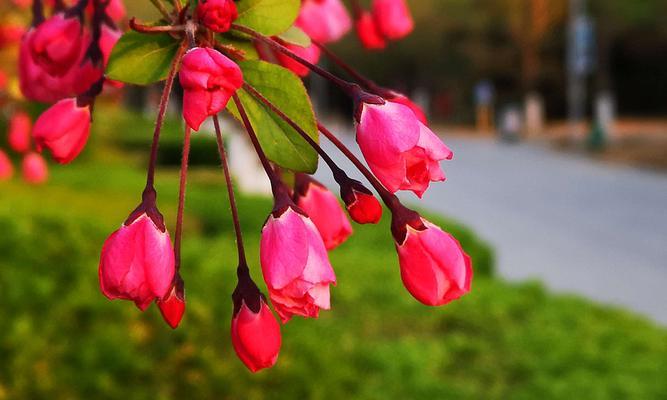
61	339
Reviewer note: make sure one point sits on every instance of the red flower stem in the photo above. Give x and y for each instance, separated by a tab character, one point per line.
164	100
178	235
348	87
365	82
389	198
337	171
162	8
141	28
37	12
230	192
273	177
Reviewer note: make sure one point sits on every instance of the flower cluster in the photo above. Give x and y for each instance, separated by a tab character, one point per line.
139	261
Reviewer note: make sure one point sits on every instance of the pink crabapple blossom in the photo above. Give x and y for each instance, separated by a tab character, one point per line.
256	336
401	151
137	262
63	129
34	169
324	210
217	15
20	126
295	264
6	167
325	21
209	79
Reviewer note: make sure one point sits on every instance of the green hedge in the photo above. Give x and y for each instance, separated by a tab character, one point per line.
61	339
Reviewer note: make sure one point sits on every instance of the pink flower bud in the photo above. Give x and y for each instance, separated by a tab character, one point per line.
115	10
368	32
56	44
311	54
6	167
63	129
393	18
217	15
34	169
401	151
324	21
39	85
209	80
295	265
256	336
137	262
362	206
434	267
324	210
19	132
172	306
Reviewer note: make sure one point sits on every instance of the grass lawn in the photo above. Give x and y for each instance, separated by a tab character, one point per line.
61	339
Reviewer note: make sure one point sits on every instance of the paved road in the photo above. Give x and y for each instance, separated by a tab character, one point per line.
577	225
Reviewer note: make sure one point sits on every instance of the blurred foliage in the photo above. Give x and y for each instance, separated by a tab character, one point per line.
61	339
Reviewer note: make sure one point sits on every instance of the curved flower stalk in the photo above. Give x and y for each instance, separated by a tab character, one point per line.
140	263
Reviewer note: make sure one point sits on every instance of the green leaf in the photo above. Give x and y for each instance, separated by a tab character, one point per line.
282	144
269	17
296	36
142	59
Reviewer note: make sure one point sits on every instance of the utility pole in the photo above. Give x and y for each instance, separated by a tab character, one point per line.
579	64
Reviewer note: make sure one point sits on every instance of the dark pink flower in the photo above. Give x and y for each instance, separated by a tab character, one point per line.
19	132
56	44
172	306
63	129
434	267
401	151
393	18
209	80
137	262
368	32
311	54
256	336
6	167
324	210
34	169
324	21
217	15
295	264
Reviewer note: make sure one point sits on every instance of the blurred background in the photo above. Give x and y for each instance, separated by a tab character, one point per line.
557	114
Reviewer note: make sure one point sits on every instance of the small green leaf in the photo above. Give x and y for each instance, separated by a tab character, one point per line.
269	17
142	59
282	144
296	36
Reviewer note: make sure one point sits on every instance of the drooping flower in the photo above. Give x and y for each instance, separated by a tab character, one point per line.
34	169
63	129
217	15
172	306
209	80
56	43
368	32
324	210
19	132
325	21
393	18
434	267
401	151
295	264
362	206
6	167
311	54
137	261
